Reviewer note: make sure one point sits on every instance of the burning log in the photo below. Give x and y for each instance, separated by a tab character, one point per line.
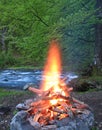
44	111
31	88
54	105
37	116
55	109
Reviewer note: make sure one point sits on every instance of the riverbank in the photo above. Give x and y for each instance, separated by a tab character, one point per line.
14	97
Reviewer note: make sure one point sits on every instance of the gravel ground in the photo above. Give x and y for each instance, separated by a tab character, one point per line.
93	99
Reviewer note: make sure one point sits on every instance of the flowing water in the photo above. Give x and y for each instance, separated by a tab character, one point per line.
16	79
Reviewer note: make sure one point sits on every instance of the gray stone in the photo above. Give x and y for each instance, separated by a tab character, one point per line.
22	121
49	127
36	125
22	106
19	122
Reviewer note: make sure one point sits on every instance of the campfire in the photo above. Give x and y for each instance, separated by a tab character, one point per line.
54	101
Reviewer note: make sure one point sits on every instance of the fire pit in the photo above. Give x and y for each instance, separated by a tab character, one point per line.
54	108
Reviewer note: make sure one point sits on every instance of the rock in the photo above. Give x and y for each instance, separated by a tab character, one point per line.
19	122
36	125
22	121
49	127
5	80
28	101
22	106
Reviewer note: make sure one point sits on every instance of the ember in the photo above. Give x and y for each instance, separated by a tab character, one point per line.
54	100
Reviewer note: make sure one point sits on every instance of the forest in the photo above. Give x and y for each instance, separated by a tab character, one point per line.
27	27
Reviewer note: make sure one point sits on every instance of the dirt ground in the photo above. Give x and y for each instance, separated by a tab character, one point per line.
93	99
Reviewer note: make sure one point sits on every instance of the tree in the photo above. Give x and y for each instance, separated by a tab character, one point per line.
98	35
26	27
76	25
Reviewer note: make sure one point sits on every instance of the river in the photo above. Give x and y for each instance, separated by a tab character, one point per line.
16	79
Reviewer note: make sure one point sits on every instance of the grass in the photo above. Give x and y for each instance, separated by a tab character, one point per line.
26	67
64	68
7	92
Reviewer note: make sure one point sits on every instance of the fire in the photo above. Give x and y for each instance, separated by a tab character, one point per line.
52	69
54	99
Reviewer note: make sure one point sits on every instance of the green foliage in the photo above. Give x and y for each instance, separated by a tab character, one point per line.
7	60
30	25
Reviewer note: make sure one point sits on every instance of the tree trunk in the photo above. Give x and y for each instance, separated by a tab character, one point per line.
98	37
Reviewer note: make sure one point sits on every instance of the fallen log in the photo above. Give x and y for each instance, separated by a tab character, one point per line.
36	117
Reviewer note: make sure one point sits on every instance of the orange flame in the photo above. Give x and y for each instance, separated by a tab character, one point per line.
52	69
